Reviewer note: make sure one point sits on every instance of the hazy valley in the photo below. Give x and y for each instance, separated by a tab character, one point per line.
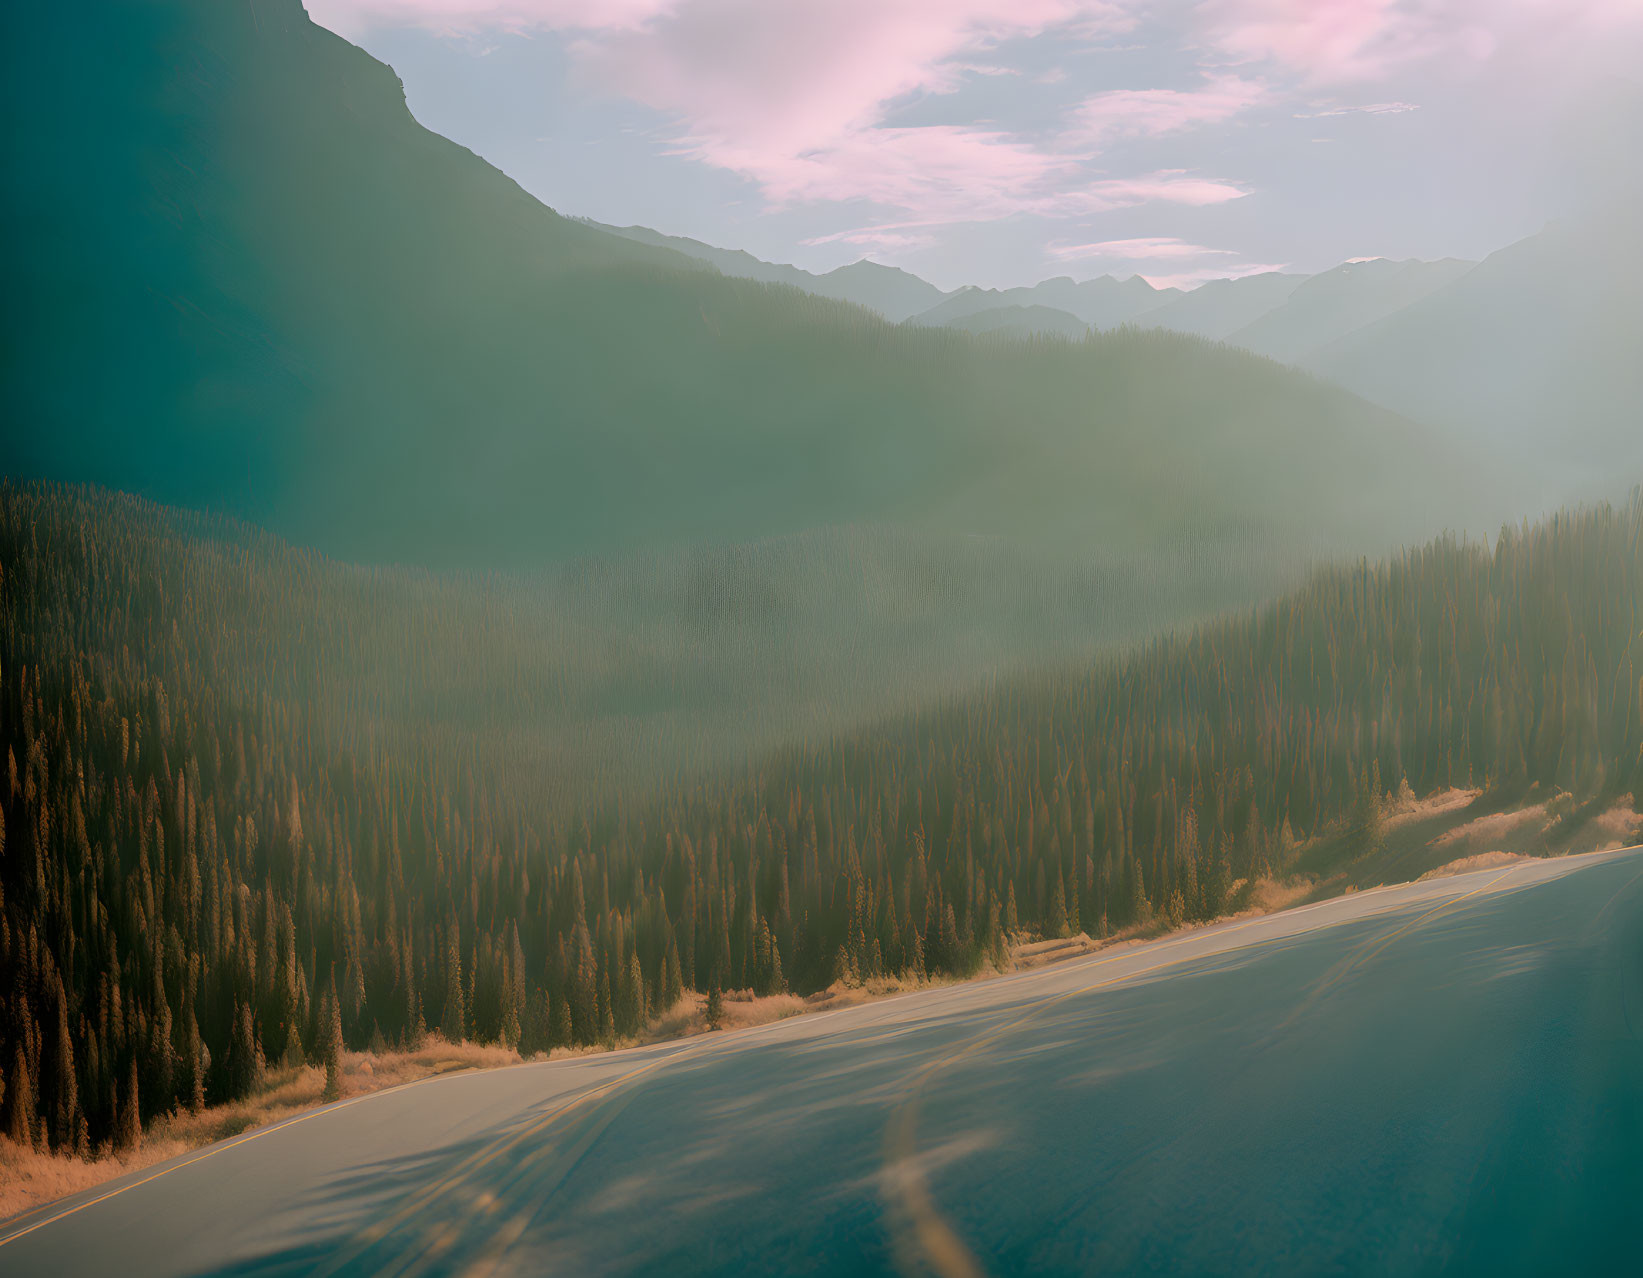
439	632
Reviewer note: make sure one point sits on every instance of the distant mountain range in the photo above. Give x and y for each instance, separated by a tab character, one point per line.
1220	308
1022	322
893	293
1328	306
1539	346
1101	303
255	284
1284	316
1537	351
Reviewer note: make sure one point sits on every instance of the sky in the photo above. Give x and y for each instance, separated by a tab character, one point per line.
1001	142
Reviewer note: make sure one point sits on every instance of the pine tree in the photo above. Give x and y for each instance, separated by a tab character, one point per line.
244	1068
20	1114
1057	924
1367	832
560	1033
607	1013
672	979
715	1012
128	1132
453	1021
331	1046
195	1064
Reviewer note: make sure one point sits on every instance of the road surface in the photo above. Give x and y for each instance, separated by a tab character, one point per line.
1439	1077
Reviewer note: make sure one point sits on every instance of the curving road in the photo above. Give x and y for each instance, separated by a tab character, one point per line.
1439	1077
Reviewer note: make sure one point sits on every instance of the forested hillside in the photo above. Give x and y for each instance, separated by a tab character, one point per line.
209	837
255	285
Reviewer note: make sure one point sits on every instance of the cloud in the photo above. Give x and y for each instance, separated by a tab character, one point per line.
351	17
1204	275
940	174
1148	113
1345	41
1103	195
797	97
1324	40
1146	248
881	238
1371	108
1174	186
1162	248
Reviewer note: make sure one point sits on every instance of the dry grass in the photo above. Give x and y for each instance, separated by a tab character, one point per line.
1481	861
1534	830
1491	832
1404	809
30	1178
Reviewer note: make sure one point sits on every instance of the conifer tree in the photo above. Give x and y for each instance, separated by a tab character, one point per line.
453	1021
331	1046
560	1033
672	979
244	1066
1056	925
128	1134
20	1111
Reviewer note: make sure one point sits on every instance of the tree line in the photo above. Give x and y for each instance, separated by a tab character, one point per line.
216	855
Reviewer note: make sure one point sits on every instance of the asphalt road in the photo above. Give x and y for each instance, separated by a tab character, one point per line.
1445	1077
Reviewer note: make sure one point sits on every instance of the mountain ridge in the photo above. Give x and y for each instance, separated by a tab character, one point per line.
369	340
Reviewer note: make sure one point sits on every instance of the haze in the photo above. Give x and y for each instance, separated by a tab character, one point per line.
703	637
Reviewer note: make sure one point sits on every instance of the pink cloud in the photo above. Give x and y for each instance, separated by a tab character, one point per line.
880	238
1145	248
1086	198
1341	41
1192	279
351	17
938	173
1162	248
1325	40
1324	111
1173	186
795	96
1146	113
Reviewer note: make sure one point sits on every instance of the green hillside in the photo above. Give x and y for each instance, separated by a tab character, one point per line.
256	285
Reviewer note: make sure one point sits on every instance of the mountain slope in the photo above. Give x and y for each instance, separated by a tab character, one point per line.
1538	349
1219	308
1021	321
1334	303
256	284
1103	302
889	290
